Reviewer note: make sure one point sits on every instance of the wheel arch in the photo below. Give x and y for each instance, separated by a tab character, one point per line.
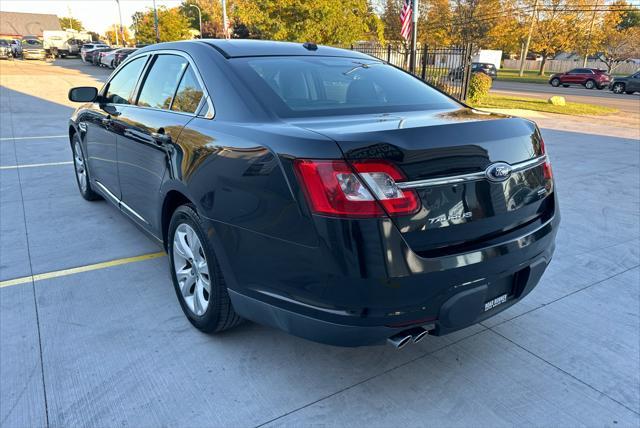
72	132
172	200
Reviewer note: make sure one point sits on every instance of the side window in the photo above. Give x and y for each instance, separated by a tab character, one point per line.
161	81
189	93
574	71
119	89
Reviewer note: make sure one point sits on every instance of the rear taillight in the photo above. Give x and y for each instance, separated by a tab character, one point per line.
362	189
546	168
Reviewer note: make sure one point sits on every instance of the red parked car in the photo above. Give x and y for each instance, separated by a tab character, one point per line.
588	77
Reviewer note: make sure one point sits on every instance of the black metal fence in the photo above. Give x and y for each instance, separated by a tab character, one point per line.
447	68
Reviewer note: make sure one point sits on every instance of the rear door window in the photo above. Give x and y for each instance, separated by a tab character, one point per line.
161	82
120	88
189	93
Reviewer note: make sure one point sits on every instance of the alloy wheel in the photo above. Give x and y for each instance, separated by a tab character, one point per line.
590	84
618	88
191	269
81	170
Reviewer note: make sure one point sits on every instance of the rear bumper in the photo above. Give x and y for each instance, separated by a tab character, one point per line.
447	293
33	55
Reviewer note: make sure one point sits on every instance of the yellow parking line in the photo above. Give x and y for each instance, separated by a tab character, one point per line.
34	138
35	165
86	268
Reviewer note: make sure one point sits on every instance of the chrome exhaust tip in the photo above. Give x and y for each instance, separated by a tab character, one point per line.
399	340
418	334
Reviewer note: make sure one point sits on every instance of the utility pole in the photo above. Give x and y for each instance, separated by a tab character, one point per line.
225	22
70	20
115	30
414	36
199	17
593	20
155	21
120	29
534	18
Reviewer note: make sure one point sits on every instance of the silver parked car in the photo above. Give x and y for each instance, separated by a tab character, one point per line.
33	49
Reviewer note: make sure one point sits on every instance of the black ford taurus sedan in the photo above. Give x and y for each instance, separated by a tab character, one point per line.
318	190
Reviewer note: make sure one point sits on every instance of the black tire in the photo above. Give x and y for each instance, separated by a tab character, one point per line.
219	315
617	88
87	192
590	84
555	82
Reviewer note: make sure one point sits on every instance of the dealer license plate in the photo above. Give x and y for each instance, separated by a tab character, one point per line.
495	302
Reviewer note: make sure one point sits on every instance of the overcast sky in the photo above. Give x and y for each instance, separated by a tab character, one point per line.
96	15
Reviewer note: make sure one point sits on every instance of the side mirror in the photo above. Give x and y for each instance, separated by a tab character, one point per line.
83	94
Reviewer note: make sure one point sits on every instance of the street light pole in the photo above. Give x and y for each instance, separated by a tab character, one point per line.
225	22
199	18
155	21
120	16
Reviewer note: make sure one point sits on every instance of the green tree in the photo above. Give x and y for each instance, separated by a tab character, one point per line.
211	15
172	23
70	22
391	22
321	21
629	18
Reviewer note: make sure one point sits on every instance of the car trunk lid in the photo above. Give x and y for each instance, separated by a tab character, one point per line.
445	156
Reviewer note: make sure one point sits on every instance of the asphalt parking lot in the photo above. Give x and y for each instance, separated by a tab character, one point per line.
107	344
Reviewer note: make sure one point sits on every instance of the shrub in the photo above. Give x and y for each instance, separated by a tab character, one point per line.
479	86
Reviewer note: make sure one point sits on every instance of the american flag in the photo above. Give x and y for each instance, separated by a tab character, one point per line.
405	19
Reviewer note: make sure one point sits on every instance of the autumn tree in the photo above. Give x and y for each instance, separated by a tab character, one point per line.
473	20
555	32
619	36
70	22
391	22
172	24
331	22
434	23
110	35
509	28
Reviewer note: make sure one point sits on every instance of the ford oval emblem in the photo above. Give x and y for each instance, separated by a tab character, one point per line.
498	171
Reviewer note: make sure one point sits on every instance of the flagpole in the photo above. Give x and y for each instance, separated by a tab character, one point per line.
414	36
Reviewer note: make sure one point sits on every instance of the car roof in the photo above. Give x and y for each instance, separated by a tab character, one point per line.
254	48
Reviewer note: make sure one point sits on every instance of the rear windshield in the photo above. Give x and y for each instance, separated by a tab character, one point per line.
31	43
324	86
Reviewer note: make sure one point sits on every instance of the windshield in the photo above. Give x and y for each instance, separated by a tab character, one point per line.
324	86
31	43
